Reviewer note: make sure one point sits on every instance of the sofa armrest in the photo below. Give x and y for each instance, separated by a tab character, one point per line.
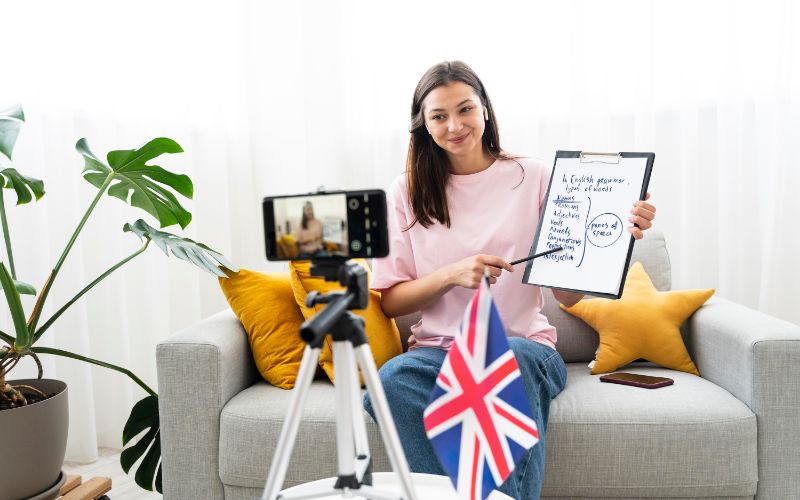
199	370
756	357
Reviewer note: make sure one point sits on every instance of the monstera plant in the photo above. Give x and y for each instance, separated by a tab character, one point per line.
127	176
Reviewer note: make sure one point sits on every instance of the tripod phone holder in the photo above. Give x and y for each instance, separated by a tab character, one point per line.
354	464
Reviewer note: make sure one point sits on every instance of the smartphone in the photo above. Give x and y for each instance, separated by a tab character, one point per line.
636	380
326	225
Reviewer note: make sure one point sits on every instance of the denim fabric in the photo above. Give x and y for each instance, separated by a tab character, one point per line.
408	380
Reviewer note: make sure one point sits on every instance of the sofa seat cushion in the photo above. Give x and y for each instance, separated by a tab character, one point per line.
691	439
250	425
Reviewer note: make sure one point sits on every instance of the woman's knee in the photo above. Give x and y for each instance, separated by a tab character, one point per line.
395	368
532	359
518	344
388	375
404	376
540	365
531	351
528	353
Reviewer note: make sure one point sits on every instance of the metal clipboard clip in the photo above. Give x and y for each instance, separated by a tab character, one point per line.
587	157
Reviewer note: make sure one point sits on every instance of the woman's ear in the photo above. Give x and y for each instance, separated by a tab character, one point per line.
485	113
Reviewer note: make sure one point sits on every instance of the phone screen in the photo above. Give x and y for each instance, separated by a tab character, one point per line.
331	225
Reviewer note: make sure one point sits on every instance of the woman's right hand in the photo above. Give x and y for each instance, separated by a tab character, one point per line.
468	272
415	295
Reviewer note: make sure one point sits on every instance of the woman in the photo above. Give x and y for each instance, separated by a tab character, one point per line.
464	205
309	236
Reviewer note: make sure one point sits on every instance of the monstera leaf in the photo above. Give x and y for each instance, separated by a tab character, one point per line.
183	248
141	185
10	122
23	185
144	415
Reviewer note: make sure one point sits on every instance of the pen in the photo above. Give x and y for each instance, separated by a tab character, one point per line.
529	257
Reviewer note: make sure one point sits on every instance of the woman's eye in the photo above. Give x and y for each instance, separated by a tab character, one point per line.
437	117
466	109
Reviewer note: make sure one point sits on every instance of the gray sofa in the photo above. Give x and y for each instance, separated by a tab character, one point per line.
734	433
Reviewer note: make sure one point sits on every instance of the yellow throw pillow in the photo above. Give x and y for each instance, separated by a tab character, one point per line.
265	305
287	246
644	323
382	333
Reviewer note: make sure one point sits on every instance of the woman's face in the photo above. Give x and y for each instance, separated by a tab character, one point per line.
454	117
308	211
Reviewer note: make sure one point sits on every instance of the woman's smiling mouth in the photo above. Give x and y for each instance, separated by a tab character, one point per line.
459	140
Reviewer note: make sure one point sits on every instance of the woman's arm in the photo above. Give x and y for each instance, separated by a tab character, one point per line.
414	295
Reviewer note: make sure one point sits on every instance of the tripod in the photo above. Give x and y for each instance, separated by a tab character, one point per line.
354	464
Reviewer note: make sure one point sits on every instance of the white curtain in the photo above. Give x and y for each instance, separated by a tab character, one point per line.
282	97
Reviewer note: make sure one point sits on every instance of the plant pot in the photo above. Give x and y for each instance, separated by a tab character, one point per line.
34	440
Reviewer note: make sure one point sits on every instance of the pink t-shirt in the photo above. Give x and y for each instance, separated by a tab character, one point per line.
492	212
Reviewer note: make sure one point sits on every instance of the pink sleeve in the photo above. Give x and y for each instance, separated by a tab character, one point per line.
544	184
399	265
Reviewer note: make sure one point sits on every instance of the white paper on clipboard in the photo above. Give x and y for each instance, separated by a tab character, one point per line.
586	211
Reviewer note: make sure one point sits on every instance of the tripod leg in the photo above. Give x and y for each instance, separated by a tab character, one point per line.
345	369
283	452
385	420
363	458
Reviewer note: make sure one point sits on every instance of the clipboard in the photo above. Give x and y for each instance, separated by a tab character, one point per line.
596	255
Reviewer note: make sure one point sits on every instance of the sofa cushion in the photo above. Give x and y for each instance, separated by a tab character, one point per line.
265	305
691	439
404	324
644	323
250	425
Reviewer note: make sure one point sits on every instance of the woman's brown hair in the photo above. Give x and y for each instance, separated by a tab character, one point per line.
304	219
427	165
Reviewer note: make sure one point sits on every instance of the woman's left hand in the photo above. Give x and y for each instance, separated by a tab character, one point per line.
642	214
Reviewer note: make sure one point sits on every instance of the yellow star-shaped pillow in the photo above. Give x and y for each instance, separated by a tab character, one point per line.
644	323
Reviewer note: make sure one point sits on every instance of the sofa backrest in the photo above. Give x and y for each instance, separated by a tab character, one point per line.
576	340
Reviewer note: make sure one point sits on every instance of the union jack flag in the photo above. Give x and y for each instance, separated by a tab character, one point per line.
479	418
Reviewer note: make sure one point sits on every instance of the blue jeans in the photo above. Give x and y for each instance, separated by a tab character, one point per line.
409	378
